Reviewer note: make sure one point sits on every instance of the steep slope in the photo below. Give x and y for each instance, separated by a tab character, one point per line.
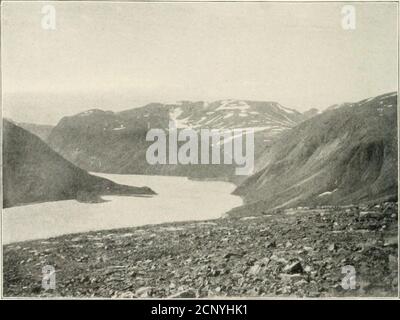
41	130
33	172
115	142
347	154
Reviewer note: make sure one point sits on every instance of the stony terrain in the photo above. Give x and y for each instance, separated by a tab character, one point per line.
299	253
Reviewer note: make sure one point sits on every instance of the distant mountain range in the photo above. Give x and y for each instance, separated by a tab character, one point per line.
105	141
345	155
33	172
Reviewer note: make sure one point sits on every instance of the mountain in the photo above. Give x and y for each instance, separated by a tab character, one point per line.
310	113
32	172
345	155
40	130
105	141
269	116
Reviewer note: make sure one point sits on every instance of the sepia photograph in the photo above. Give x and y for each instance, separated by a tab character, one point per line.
199	150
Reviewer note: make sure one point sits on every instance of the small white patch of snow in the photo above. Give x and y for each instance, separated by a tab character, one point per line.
86	113
368	100
179	123
239	134
228	115
257	129
326	193
206	224
287	110
249	218
121	127
171	228
233	105
202	119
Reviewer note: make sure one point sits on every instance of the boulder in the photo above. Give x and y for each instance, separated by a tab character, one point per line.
295	267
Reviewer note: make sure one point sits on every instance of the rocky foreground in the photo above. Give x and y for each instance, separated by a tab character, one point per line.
299	253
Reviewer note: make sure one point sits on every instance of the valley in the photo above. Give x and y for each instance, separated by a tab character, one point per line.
182	150
323	197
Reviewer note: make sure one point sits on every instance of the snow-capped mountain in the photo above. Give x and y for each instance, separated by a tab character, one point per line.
105	141
234	114
268	119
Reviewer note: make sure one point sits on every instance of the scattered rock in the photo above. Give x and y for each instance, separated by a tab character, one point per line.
270	244
393	262
332	247
290	277
288	244
295	267
124	295
184	294
301	254
233	254
254	270
391	241
144	292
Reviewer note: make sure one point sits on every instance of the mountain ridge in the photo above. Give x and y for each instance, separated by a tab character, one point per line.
344	155
115	142
33	172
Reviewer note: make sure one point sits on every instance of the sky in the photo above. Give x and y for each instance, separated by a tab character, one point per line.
117	56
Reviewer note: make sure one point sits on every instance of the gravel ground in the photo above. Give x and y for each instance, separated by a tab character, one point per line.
298	253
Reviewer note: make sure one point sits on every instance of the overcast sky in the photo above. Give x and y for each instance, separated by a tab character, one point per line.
117	56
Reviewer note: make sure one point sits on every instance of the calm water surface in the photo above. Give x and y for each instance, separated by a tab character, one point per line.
178	199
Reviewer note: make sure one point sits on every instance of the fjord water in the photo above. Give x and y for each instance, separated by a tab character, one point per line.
177	199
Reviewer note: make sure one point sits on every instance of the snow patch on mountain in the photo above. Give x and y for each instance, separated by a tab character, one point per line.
121	127
326	193
86	113
179	123
233	105
287	110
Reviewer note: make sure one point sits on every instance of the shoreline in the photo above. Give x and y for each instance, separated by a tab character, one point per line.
298	255
187	201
